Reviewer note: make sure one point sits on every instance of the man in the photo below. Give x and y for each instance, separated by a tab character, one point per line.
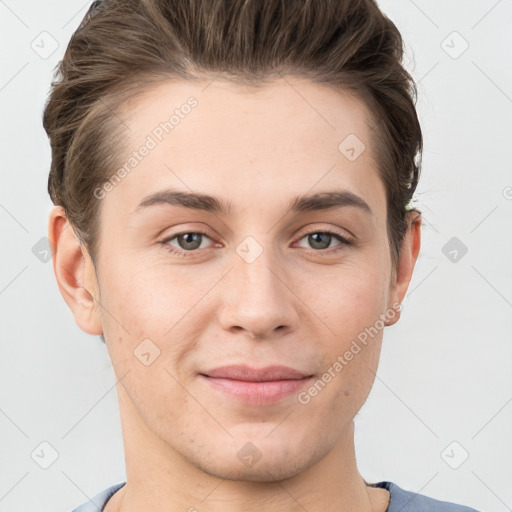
233	215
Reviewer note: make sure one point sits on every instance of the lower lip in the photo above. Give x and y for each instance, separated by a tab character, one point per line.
257	393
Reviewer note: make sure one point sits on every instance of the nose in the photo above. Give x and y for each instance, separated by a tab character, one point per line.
258	299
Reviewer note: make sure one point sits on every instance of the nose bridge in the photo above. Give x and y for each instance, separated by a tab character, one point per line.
255	270
258	300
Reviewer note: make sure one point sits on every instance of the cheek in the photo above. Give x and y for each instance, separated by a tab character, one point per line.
352	306
351	297
154	315
146	299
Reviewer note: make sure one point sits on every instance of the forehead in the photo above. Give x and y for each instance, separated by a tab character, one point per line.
222	107
226	139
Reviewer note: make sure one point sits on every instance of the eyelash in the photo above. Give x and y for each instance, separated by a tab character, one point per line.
183	253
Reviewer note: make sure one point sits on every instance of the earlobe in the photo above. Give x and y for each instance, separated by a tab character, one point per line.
407	259
75	273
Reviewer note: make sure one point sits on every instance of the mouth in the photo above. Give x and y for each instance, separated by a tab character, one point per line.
247	374
253	386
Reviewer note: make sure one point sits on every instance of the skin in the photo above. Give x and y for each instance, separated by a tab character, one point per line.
295	305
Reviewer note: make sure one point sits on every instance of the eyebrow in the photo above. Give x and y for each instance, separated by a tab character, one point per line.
197	201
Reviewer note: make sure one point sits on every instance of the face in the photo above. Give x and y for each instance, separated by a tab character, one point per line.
186	288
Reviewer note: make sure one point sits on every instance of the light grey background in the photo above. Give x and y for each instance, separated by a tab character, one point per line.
445	372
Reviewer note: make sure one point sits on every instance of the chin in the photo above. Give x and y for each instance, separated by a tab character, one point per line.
263	460
260	472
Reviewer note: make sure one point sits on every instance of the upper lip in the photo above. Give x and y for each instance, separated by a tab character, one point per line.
246	373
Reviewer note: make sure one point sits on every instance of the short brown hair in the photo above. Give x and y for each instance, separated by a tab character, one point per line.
124	46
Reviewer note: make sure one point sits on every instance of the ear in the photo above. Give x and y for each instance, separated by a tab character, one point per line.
401	275
75	273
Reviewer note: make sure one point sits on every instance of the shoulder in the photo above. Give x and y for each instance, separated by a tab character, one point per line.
97	503
408	501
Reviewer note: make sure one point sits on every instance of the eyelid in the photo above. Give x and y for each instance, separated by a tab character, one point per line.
344	234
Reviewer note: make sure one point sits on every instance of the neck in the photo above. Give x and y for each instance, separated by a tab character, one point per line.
161	479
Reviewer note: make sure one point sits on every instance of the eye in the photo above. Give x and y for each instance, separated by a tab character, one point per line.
187	242
321	240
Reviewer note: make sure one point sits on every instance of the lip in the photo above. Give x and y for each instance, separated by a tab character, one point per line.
248	374
263	386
